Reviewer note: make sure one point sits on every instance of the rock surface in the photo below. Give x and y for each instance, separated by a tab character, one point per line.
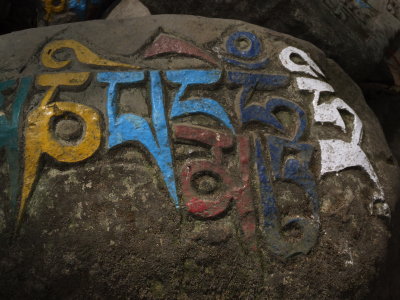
186	157
128	9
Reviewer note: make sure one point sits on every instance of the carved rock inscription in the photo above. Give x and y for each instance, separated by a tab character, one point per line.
250	134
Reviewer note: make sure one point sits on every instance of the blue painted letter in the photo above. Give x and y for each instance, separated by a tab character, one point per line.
295	170
199	106
255	82
130	127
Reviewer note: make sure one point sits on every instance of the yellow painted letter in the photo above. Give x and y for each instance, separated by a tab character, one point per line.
39	137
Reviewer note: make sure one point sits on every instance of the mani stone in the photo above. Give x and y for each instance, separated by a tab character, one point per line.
354	33
181	157
128	9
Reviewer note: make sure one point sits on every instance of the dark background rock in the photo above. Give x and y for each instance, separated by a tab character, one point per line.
17	15
355	37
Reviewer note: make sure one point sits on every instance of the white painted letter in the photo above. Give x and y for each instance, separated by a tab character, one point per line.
337	155
310	68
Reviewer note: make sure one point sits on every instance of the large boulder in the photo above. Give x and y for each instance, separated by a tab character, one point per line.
185	157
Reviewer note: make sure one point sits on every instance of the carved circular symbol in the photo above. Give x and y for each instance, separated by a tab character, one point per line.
243	44
203	177
206	182
68	128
